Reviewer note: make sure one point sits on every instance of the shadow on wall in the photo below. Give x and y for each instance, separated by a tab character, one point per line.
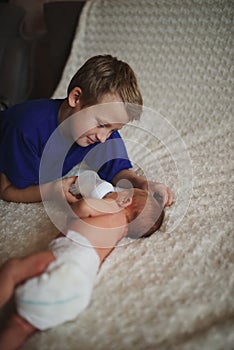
34	47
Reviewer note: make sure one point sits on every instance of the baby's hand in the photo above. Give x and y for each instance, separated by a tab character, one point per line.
161	190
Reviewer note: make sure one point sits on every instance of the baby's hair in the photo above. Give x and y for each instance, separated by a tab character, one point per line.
104	74
156	226
152	216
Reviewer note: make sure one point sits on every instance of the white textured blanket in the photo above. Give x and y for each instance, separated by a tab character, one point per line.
174	290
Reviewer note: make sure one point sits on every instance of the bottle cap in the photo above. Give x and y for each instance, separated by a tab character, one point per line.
102	189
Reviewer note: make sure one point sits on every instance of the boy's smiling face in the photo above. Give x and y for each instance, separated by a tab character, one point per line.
96	123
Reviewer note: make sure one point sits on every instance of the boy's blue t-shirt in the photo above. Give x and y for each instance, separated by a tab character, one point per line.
24	131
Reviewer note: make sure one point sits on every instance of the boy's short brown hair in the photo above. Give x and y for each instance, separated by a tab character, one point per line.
151	220
104	74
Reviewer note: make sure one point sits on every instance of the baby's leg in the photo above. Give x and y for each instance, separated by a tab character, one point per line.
15	332
64	290
16	271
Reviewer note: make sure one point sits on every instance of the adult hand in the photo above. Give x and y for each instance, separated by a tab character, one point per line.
12	273
15	271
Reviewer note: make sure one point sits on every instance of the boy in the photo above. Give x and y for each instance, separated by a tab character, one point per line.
101	95
73	262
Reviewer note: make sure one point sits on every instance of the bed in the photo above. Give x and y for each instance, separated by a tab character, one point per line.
174	290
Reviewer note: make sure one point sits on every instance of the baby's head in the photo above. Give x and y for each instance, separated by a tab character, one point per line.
104	74
144	212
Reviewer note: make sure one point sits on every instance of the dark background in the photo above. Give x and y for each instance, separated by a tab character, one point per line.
35	42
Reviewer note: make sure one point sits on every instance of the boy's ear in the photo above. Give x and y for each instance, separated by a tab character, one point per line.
74	96
124	200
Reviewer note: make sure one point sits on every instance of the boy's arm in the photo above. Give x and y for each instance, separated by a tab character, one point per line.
32	194
141	182
10	193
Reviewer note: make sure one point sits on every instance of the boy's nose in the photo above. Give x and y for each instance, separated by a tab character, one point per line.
102	135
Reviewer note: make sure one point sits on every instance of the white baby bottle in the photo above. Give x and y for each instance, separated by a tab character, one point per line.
89	184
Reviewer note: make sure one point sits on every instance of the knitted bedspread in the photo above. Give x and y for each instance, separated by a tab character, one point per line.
174	290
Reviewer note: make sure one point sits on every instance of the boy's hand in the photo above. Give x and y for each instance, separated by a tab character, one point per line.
140	182
66	186
60	189
161	190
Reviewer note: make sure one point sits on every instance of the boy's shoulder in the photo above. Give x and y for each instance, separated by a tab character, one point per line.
32	114
33	109
34	120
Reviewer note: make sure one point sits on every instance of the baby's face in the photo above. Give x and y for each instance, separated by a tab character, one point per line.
143	211
121	197
132	199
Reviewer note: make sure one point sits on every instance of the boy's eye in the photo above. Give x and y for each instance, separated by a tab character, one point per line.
101	125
